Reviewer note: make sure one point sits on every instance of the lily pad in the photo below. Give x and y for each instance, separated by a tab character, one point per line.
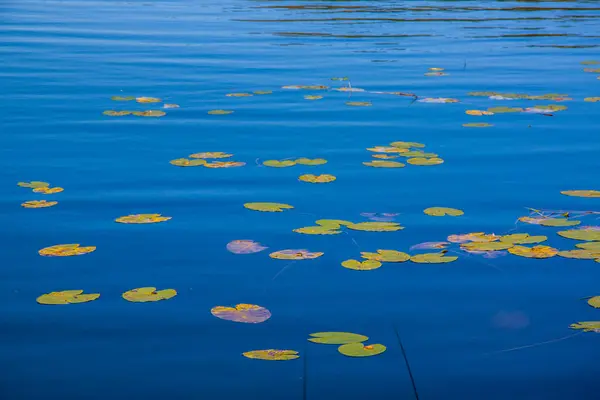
551	107
418	153
170	106
477	125
432	258
33	184
238	94
425	161
384	164
407	145
443	211
581	234
272	355
580	254
45	190
308	161
376	226
361	350
66	297
387	149
148	294
592	99
318	230
247	313
437	100
589	246
558	222
184	162
262	92
336	338
122	98
533	252
245	247
503	110
333	223
114	113
523	238
590	62
478	112
310	97
220	112
473	237
224	164
366	265
142	219
38	204
323	178
386	256
582	193
486	246
268	207
433	73
586	326
295	254
594	301
149	113
384	156
430	245
65	250
211	154
359	103
148	100
279	164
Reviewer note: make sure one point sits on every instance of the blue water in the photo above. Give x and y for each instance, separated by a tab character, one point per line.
63	60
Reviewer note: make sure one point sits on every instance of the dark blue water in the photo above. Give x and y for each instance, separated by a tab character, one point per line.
63	60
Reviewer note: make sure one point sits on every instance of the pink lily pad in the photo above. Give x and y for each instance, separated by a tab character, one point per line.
380	217
245	247
430	245
247	313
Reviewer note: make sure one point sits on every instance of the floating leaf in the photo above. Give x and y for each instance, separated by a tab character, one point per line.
592	99
295	254
386	256
67	297
380	217
113	113
437	100
432	258
435	74
336	338
581	234
384	164
589	246
523	238
430	245
384	156
122	98
39	204
184	162
348	89
345	78
147	100
306	87
503	110
272	355
594	301
268	207
142	219
247	313
592	70
376	226
146	294
551	107
587	326
309	97
65	250
478	112
558	222
245	247
360	350
333	223
472	237
308	161
443	211
149	113
406	145
366	265
323	178
45	190
533	252
33	184
425	161
169	106
262	92
478	125
220	112
211	154
224	164
279	164
418	153
580	254
590	62
581	193
318	230
238	94
386	149
486	246
359	103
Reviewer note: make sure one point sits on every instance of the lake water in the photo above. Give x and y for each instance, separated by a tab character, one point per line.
62	61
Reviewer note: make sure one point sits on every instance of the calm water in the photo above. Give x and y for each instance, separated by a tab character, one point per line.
63	60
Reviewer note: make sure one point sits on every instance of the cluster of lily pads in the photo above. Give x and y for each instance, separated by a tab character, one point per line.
334	226
589	326
374	260
140	100
42	188
593	70
139	295
410	150
199	160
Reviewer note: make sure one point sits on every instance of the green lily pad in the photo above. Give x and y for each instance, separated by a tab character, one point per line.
220	112
589	246
477	125
486	246
581	193
580	254
336	338
418	153
523	238
558	222
443	211
376	226
184	162
279	164
406	145
586	326
308	161
581	234
272	355
359	103
552	107
333	223
425	161
318	230
366	265
383	164
262	92
432	258
149	113
122	98
501	110
360	350
533	252
268	207
594	301
386	256
113	113
33	184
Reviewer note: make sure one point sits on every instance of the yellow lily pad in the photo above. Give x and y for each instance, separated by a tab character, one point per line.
38	204
224	164
262	92
503	110
384	156
443	211
436	69
592	99
211	154
336	338
295	254
581	234
432	258
361	350
33	184
386	256
580	254
279	164
376	226
308	161
323	178
149	113
366	265
238	94
387	149
523	238
425	161
220	112
384	164
486	246
406	145
589	246
533	252
268	207
272	355
148	100
45	190
142	219
594	301
478	112
184	162
309	97
114	113
418	153
581	193
557	222
65	250
477	125
359	103
333	223
66	297
586	326
318	230
122	98
148	294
